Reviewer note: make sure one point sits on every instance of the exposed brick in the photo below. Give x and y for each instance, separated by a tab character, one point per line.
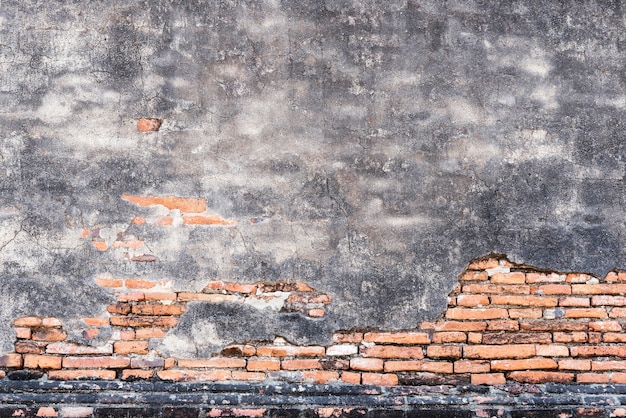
96	362
477	313
130	296
206	220
570	337
158	309
574	301
23	333
342	350
419	366
214	362
351	378
283	351
144	321
598	351
619	378
577	278
72	348
444	351
147	333
208	297
498	289
618	313
552	350
248	376
100	245
194	375
397	337
160	296
474	338
261	365
139	284
553	326
127	244
34	361
517	277
503	325
517	338
526	364
320	377
545	278
29	347
459	326
473	276
605	300
240	287
119	308
124	335
148	125
552	289
48	334
90	333
488	379
594	338
541	377
525	313
130	347
608	365
472	300
184	204
47	411
449	337
592	378
51	322
379	379
598	289
366	364
239	350
571	364
27	321
134	374
614	337
352	337
81	374
499	351
585	313
472	366
96	322
484	263
524	300
301	364
381	351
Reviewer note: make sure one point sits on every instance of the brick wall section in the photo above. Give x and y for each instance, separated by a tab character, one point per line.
505	323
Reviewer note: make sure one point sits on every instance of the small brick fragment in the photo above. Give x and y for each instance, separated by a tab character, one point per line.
27	321
149	124
48	334
257	365
22	333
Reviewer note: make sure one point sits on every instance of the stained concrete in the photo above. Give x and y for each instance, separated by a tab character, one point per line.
368	148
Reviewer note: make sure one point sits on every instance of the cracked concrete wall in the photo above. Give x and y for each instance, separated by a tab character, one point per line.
368	149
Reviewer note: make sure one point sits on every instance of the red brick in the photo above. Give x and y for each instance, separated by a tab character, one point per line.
449	337
90	333
353	337
595	338
618	313
570	364
147	333
119	308
419	366
160	296
379	379
194	375
472	300
47	411
124	335
303	364
444	351
148	125
130	347
239	350
214	362
208	297
366	364
283	351
577	278
472	366
474	338
248	376
618	378
525	313
320	377
27	321
397	337
381	351
81	374
554	325
130	296
552	350
51	322
96	362
23	333
48	334
100	245
585	313
544	278
96	322
11	360
498	289
516	277
517	338
504	325
144	321
351	378
158	309
206	220
477	313
473	276
552	289
574	301
459	326
499	351
526	364
257	365
485	263
592	378
524	301
614	337
72	348
29	347
605	300
598	351
34	361
541	377
598	289
140	284
570	337
608	365
184	204
240	287
134	374
488	379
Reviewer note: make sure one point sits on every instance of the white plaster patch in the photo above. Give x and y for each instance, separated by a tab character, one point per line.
273	301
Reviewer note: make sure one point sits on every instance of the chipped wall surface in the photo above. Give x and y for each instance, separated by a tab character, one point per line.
366	150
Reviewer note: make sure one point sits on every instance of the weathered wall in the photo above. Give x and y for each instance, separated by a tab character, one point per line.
367	149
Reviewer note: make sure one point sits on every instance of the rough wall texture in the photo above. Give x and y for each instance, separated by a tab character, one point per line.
365	150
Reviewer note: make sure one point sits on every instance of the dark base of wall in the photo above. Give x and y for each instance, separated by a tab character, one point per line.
159	399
